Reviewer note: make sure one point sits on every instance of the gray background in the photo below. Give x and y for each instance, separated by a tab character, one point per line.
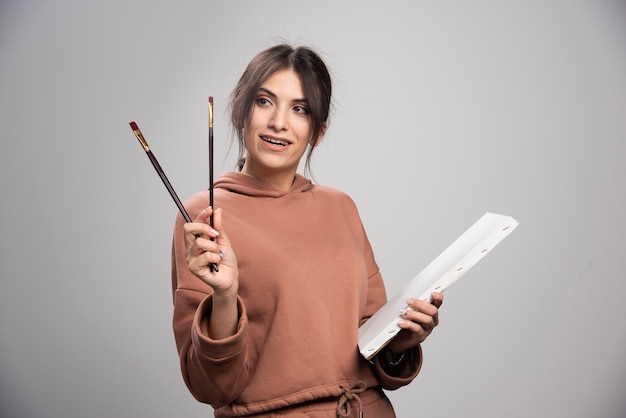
444	110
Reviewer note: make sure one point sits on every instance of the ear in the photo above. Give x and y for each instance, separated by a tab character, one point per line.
315	141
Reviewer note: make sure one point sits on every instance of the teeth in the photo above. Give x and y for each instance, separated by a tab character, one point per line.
274	141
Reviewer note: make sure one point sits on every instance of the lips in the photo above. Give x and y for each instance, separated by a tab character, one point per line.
275	141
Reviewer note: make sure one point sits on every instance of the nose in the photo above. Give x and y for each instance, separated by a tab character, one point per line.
278	119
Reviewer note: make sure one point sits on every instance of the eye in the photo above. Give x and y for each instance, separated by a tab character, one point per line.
301	109
263	101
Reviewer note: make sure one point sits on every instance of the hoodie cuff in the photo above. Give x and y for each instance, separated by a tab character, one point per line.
218	350
401	375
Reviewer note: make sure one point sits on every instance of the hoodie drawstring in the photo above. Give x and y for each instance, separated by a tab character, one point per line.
350	394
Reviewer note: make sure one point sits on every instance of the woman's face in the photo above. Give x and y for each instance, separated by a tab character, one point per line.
279	128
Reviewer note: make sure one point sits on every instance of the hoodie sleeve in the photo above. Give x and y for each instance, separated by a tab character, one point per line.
403	373
214	371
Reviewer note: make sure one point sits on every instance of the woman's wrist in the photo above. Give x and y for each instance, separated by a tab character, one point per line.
224	314
393	359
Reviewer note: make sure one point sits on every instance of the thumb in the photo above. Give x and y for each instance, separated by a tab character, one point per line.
219	227
223	242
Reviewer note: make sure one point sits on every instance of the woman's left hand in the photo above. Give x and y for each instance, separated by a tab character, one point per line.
417	322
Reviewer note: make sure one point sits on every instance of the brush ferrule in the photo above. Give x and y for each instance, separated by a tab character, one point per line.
210	114
141	139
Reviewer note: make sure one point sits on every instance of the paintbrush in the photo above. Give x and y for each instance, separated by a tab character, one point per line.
164	178
211	156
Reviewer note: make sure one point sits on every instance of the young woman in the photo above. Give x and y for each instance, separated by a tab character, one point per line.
274	332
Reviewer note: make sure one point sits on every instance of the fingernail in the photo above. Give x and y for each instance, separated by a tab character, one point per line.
221	253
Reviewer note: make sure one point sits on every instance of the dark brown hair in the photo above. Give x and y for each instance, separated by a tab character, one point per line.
315	79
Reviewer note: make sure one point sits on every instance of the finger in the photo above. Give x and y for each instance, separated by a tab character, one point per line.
423	306
205	215
427	322
219	226
205	245
417	332
437	299
200	264
196	229
203	252
423	312
217	219
207	258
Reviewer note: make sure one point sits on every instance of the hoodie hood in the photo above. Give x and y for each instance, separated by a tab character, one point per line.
251	186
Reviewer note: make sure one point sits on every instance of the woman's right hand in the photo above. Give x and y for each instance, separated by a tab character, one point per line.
204	246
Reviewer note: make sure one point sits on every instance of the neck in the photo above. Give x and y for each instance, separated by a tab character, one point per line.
282	179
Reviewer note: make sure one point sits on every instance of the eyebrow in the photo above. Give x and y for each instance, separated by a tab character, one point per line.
273	95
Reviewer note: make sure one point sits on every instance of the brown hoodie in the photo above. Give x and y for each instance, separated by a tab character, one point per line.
307	280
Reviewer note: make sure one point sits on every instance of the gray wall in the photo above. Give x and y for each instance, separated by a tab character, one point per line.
444	110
